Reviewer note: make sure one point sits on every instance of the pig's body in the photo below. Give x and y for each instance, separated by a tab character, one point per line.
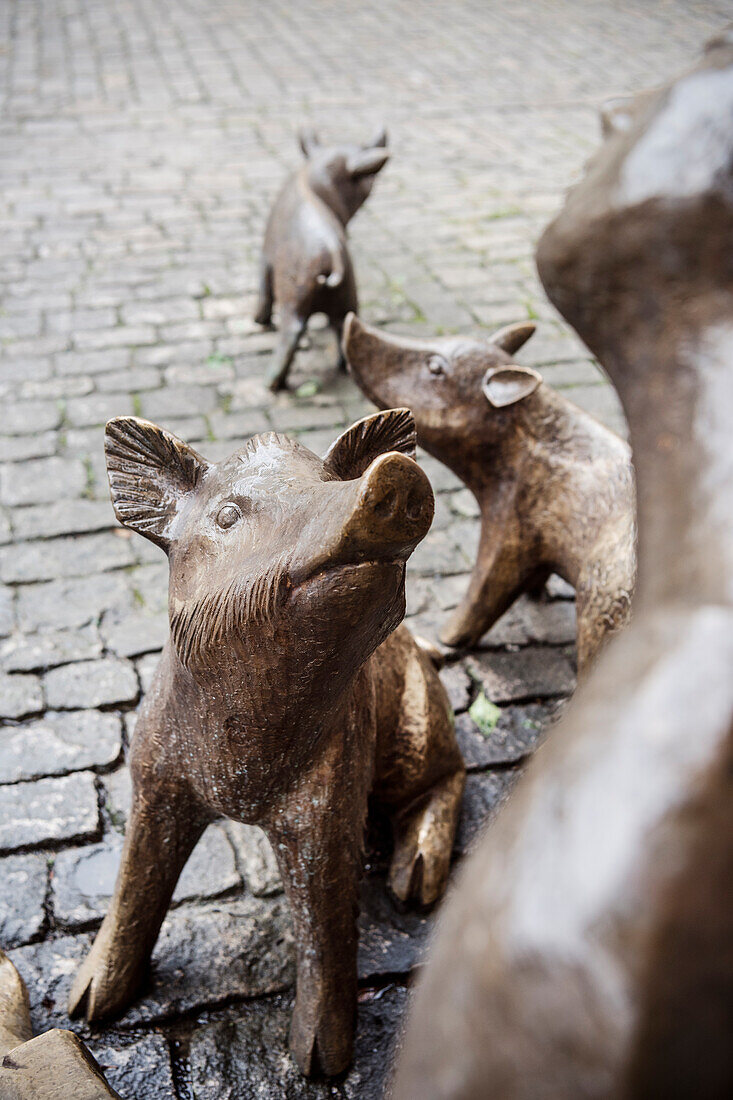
306	267
286	695
554	486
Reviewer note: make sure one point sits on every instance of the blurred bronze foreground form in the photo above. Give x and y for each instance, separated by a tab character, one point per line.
554	486
283	698
588	948
306	267
53	1066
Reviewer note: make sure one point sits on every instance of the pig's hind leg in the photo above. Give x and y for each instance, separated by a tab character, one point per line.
420	780
162	829
291	329
263	311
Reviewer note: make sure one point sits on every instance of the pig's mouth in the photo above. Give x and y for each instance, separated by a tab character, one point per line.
388	574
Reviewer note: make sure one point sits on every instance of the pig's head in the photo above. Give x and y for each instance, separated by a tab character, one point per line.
465	394
276	553
343	175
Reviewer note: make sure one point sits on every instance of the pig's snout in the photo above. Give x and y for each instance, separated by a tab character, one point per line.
393	509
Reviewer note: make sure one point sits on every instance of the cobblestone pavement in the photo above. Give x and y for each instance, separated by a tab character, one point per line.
141	145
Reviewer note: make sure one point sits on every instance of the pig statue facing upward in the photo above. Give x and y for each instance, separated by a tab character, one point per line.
286	694
305	266
554	486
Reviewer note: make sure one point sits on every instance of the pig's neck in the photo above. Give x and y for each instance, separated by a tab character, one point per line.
676	386
488	463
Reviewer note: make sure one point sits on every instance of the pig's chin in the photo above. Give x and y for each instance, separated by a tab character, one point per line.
373	582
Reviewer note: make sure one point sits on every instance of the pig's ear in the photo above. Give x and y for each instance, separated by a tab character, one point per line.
504	386
308	142
378	141
512	337
355	450
367	162
150	472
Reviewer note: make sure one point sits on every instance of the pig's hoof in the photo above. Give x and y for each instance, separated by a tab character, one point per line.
457	637
98	990
323	1050
264	317
418	875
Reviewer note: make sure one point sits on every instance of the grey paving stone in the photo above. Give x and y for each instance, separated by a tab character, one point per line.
63	517
530	620
59	743
515	734
71	603
459	686
48	810
533	672
146	669
15	448
438	553
91	684
390	941
141	1068
49	559
33	652
22	914
19	695
7	615
170	402
98	408
117	789
134	634
83	878
41	480
246	1058
255	859
21	417
204	955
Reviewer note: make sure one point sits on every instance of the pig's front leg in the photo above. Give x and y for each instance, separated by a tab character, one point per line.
162	829
499	576
318	839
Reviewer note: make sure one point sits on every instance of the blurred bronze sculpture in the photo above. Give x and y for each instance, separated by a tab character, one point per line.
284	697
554	486
306	267
588	949
53	1066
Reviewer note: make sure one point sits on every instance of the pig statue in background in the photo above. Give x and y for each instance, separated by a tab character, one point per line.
554	486
305	266
286	694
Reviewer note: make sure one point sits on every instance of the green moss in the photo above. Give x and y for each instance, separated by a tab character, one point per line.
484	713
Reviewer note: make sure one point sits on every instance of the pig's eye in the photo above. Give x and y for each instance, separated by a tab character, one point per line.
436	364
228	515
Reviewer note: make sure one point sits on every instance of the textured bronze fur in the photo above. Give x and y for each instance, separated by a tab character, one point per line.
554	486
587	951
54	1066
306	267
286	694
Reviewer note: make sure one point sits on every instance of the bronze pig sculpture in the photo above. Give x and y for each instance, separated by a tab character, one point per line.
587	951
555	487
286	695
306	267
54	1066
